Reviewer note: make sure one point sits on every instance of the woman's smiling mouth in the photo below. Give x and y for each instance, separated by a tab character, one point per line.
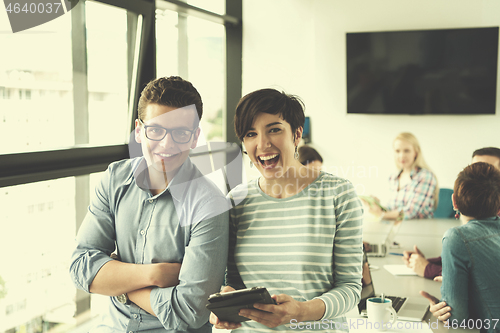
268	161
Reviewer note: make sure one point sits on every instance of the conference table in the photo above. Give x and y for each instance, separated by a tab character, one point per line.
427	234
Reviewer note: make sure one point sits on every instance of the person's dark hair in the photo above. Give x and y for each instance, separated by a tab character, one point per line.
289	107
308	154
171	91
477	191
489	151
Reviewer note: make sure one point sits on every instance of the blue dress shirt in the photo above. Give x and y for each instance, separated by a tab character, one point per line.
471	256
187	223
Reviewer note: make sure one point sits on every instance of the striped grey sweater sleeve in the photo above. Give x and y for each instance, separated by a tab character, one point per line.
347	253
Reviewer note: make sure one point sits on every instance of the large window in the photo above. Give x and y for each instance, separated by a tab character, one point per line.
215	6
107	72
38	110
193	48
38	228
68	95
36	103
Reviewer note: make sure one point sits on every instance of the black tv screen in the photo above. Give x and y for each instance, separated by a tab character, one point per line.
448	71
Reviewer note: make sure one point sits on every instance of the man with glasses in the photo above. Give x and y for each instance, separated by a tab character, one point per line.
167	224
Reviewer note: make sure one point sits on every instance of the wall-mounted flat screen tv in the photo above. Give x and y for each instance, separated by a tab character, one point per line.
447	71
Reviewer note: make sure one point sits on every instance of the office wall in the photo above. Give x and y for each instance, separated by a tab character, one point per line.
299	46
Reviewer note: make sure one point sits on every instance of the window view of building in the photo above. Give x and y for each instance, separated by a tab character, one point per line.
38	228
107	73
40	76
69	83
193	48
36	92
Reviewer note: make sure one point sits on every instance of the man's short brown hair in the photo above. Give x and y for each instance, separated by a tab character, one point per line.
171	91
477	191
490	151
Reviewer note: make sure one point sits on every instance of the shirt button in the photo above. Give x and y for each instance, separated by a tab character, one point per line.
142	232
135	316
150	200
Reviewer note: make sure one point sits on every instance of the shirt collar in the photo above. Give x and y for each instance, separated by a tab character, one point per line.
140	172
413	171
177	186
183	180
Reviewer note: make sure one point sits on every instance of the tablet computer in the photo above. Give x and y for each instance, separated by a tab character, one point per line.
226	306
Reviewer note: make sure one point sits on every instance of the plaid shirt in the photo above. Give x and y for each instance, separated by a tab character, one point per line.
415	199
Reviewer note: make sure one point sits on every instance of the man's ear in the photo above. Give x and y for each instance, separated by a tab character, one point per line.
137	131
453	201
196	136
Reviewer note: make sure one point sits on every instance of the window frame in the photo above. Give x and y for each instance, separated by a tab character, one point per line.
22	168
81	160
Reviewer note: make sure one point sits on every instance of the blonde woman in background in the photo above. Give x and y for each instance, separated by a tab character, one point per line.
414	188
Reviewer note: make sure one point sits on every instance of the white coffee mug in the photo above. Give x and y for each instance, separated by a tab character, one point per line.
379	314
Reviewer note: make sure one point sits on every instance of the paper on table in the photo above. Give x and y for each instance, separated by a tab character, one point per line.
399	270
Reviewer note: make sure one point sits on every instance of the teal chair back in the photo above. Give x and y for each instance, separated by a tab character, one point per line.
445	207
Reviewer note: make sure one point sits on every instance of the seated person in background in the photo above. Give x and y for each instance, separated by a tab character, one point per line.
471	252
297	231
489	155
309	157
414	187
431	268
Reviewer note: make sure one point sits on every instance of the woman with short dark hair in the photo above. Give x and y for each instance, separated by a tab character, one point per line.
296	231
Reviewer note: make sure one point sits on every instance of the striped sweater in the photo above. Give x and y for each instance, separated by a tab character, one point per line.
307	246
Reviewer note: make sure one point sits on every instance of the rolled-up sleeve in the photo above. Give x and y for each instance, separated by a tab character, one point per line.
434	268
201	274
95	239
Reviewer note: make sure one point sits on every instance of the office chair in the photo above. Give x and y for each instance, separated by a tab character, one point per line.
445	207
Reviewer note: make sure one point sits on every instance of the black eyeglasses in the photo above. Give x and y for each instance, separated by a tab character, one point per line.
158	133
